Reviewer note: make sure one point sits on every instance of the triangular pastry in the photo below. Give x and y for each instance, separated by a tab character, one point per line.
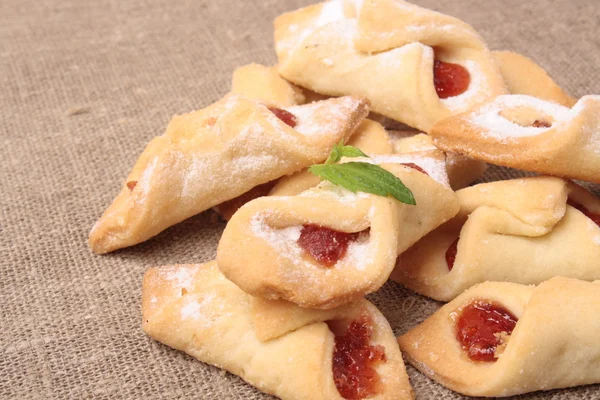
193	308
264	83
523	230
502	339
523	76
328	246
216	154
524	132
462	171
391	52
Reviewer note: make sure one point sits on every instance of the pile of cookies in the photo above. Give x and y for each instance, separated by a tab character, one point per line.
419	96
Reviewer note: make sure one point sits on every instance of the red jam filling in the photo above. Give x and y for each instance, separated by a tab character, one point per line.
451	254
131	184
286	116
450	79
593	216
415	166
354	360
538	123
482	328
325	245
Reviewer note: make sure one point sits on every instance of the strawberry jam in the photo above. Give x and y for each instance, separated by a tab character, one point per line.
131	184
415	166
354	360
483	327
593	216
450	79
286	116
325	245
451	254
539	123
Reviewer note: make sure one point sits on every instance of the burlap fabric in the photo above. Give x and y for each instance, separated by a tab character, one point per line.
84	86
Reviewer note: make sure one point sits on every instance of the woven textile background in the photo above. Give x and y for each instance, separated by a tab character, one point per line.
83	86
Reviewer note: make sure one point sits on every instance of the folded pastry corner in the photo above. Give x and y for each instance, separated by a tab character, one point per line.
523	76
522	230
349	353
527	133
216	154
328	246
263	83
502	339
415	65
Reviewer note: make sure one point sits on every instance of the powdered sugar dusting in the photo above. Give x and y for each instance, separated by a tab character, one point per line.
475	94
358	254
285	242
332	11
435	168
341	194
495	125
590	128
246	164
332	116
206	310
144	181
193	308
180	277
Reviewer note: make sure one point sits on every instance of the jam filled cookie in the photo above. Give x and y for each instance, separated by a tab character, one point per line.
350	353
502	339
328	246
524	132
523	231
264	84
216	154
416	66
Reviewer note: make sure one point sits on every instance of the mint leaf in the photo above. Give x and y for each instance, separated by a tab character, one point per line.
335	154
339	151
364	177
351	151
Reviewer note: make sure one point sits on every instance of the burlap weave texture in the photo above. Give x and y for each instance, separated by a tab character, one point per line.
83	86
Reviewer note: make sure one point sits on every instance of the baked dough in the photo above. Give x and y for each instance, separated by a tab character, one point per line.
384	50
504	132
369	136
215	154
263	83
462	171
519	230
193	308
259	249
555	343
523	76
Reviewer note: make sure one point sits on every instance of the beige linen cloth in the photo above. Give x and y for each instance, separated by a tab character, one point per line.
83	86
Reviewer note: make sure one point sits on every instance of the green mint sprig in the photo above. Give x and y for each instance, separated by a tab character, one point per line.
361	176
339	151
